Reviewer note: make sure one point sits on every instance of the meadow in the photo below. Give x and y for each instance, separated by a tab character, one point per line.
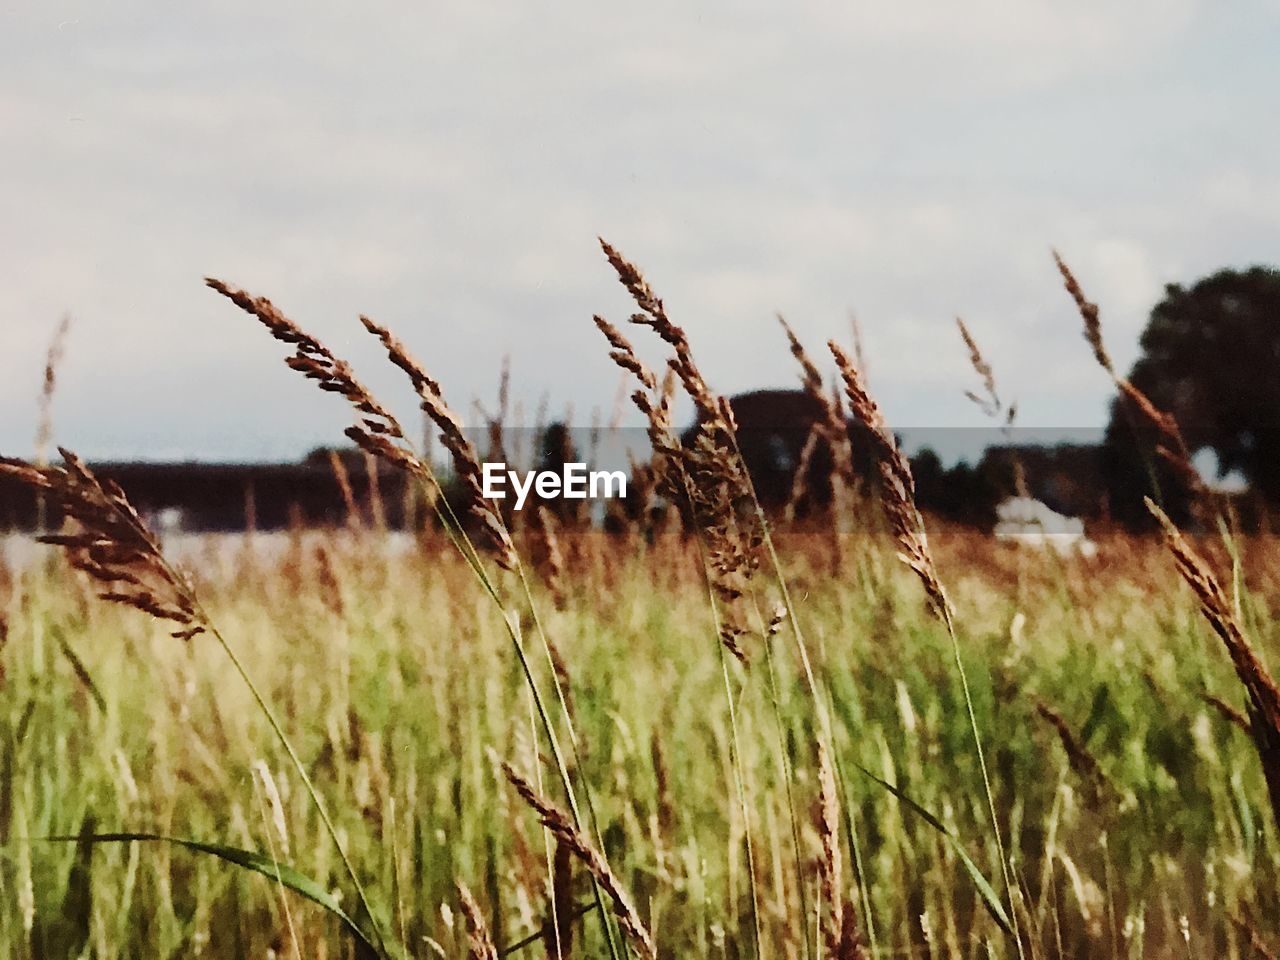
711	734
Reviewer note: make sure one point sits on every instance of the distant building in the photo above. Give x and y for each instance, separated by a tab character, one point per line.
200	497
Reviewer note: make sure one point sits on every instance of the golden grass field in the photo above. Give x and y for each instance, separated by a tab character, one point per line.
730	736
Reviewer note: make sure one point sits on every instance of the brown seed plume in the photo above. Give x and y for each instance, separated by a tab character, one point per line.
989	404
562	828
851	945
841	933
1264	696
706	473
315	361
1172	448
479	941
897	486
624	354
466	462
343	478
800	480
832	426
830	867
654	315
379	432
1088	313
810	377
111	543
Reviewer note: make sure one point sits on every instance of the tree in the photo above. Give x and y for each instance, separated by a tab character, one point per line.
773	426
1211	358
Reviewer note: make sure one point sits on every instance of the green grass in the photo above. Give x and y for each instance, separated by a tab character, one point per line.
395	696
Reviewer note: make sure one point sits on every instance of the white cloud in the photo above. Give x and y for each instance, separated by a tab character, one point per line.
447	170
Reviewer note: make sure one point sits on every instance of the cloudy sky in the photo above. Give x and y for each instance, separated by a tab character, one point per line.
447	169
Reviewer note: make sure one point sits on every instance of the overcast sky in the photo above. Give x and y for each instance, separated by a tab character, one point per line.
447	170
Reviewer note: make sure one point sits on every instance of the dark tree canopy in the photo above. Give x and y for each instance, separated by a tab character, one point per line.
1211	357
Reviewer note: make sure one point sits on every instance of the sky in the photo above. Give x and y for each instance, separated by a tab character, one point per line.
446	169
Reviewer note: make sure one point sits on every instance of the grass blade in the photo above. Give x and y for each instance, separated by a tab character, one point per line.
989	896
298	882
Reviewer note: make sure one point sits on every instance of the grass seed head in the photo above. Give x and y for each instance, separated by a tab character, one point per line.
563	829
479	941
1088	313
897	485
111	543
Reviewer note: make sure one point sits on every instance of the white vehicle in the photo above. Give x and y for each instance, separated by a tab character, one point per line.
1028	521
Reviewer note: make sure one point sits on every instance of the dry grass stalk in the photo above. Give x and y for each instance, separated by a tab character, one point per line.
550	554
654	401
497	422
1264	696
1229	713
559	937
1088	313
851	945
833	423
343	478
479	942
112	544
466	462
666	808
723	508
830	867
897	486
654	315
49	386
990	404
44	419
1085	765
810	377
855	330
316	362
564	679
833	427
1173	448
706	473
624	354
379	432
377	510
329	582
841	933
1249	932
562	828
